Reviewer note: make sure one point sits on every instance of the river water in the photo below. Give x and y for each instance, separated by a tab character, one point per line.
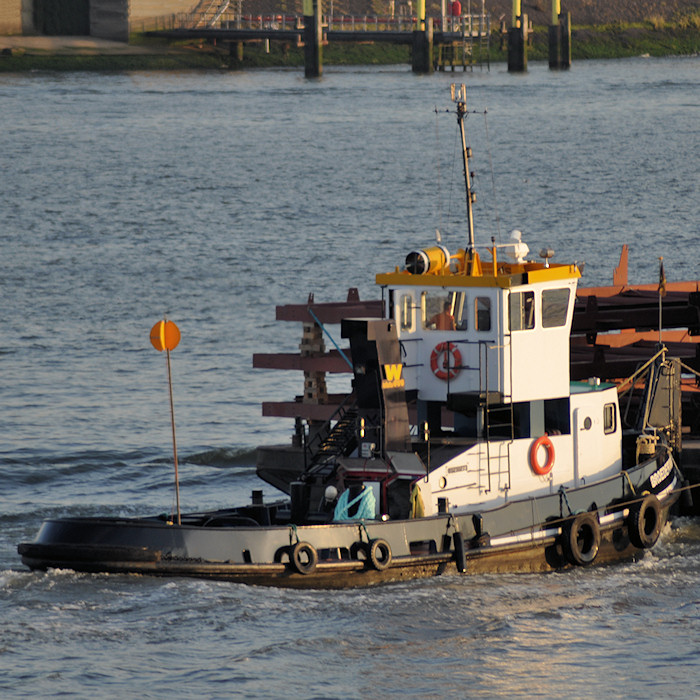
212	197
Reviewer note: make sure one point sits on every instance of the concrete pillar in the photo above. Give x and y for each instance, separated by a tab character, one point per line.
556	10
27	10
560	40
313	54
235	54
109	19
420	14
554	38
565	27
423	50
517	45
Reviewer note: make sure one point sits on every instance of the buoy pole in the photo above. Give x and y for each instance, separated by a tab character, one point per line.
172	424
165	335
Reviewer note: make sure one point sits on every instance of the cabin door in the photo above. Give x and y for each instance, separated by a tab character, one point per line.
584	440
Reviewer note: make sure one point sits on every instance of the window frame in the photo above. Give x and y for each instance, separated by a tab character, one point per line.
609	426
478	313
528	295
546	313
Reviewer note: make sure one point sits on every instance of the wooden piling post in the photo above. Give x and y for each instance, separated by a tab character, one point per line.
313	55
235	54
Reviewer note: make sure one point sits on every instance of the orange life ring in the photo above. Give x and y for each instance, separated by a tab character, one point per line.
447	368
545	468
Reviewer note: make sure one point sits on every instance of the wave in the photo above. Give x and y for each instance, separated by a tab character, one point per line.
223	457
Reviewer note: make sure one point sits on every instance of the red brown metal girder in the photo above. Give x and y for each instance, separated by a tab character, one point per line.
620	325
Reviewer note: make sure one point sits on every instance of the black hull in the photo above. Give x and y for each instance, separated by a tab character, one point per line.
505	539
549	555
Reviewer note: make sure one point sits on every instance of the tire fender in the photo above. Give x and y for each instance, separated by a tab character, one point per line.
303	557
644	522
582	539
379	554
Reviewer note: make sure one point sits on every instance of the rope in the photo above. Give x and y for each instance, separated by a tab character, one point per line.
365	511
323	328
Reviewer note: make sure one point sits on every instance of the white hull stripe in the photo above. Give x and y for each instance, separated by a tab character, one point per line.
554	532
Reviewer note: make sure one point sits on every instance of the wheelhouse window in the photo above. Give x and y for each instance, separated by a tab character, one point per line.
443	311
521	312
406	313
482	313
609	418
555	305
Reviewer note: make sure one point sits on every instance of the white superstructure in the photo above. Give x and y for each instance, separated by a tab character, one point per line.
485	349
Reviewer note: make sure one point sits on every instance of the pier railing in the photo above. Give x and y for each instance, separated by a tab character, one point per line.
468	25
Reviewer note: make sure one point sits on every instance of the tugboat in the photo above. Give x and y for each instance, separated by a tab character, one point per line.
464	447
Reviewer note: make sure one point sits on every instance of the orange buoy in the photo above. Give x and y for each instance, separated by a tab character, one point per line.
165	335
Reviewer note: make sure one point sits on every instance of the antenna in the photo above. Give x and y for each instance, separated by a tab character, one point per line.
459	97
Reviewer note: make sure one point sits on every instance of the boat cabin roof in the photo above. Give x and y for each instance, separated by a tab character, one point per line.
440	269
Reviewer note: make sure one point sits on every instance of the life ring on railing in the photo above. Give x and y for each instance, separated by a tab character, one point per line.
445	361
303	557
644	522
542	469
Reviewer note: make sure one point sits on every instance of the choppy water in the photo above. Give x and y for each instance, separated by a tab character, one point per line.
214	197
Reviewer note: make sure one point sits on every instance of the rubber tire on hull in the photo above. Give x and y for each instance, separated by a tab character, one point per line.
303	557
379	554
644	522
460	558
581	539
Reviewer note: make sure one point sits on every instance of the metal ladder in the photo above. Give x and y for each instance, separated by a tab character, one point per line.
334	438
487	411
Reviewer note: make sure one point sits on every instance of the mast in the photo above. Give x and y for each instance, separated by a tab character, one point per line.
459	97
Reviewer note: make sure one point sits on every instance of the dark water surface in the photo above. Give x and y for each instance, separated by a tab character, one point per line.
214	197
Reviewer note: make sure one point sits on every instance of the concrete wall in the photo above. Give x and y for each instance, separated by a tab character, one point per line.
109	19
10	17
106	16
143	9
158	14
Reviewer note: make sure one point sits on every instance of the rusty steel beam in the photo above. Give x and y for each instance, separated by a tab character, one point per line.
329	362
297	409
636	308
609	362
331	312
